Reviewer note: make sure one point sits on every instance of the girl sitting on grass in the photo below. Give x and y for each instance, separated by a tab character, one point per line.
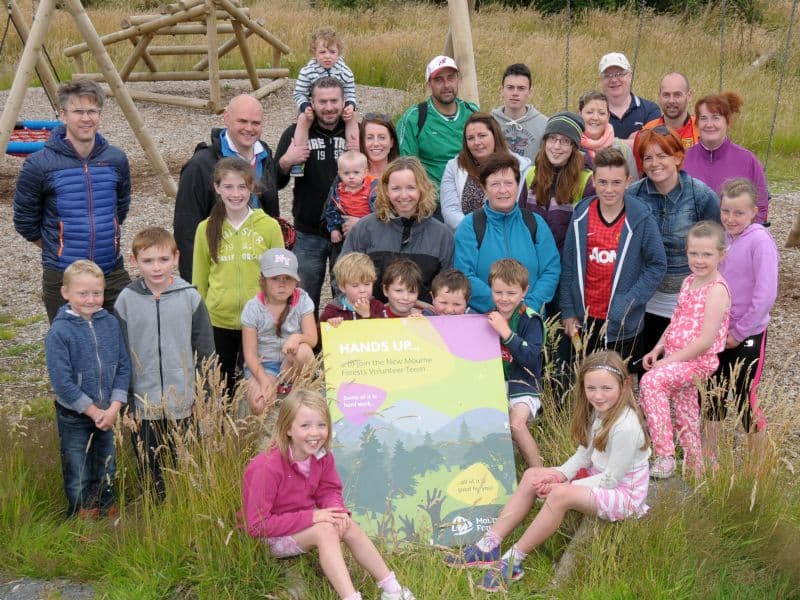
607	476
292	497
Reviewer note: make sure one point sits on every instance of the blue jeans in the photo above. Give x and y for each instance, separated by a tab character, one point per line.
88	462
312	253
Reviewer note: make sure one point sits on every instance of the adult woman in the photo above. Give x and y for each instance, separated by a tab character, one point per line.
715	159
559	179
402	225
598	132
378	142
461	192
677	201
507	234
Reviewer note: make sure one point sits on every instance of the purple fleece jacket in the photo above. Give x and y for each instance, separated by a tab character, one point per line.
715	167
751	269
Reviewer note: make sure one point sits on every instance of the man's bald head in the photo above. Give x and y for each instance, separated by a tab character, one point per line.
674	96
244	119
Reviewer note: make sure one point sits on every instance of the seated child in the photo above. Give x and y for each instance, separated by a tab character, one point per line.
278	329
355	275
402	280
521	335
90	371
450	290
169	335
327	47
351	195
613	447
292	498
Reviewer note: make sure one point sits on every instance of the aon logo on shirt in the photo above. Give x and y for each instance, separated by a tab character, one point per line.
603	257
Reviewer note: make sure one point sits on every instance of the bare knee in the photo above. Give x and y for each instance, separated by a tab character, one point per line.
325	534
304	355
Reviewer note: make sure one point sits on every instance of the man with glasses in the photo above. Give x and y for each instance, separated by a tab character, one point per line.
628	112
73	195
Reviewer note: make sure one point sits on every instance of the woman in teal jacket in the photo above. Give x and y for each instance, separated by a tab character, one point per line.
506	233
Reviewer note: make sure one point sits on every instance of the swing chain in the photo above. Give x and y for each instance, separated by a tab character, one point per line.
638	39
722	7
566	56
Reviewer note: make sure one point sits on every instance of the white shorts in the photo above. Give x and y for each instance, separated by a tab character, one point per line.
532	402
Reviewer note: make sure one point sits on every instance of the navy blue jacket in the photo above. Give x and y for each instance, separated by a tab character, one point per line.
74	205
640	266
525	347
87	360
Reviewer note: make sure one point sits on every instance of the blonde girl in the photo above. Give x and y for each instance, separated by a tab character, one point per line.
292	497
686	353
227	247
278	328
607	476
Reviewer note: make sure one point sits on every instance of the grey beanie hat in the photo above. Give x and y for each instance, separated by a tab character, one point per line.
566	123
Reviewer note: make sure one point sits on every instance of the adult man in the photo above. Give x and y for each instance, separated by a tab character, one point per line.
628	112
521	123
326	142
73	195
244	123
432	130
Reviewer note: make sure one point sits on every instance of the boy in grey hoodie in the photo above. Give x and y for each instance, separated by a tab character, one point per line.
168	333
522	125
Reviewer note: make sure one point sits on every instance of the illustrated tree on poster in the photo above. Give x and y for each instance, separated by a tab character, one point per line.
372	485
402	470
492	452
426	457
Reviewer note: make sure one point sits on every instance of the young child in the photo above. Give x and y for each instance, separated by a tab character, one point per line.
90	372
227	247
521	335
168	333
750	268
612	263
686	353
327	48
279	331
450	290
355	275
402	280
351	195
613	448
292	496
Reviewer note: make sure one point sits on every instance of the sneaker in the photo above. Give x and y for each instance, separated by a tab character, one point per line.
296	171
283	389
89	514
496	580
663	467
472	556
404	594
112	512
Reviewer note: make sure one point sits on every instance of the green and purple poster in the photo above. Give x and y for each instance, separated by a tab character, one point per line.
420	429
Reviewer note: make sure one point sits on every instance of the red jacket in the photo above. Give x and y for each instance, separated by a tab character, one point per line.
279	500
337	309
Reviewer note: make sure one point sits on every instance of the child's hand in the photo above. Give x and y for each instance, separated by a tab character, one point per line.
307	115
291	344
571	326
650	359
416	314
337	517
348	113
349	223
362	307
108	417
499	324
731	342
335	321
336	236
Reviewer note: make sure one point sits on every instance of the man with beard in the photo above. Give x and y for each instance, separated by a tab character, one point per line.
433	130
326	143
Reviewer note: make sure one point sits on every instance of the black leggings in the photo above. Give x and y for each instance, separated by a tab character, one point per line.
228	343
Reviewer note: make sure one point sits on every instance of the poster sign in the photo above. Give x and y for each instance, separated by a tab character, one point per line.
421	434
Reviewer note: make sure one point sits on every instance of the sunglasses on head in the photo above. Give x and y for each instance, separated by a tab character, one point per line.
373	116
661	130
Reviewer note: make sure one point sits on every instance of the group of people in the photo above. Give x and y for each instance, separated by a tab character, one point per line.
608	217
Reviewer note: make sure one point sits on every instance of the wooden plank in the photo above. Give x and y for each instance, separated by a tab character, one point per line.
139	76
138	52
247	58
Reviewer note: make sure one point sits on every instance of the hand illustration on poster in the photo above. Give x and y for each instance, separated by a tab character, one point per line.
421	433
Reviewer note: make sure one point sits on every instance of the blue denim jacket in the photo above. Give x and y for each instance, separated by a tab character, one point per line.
689	202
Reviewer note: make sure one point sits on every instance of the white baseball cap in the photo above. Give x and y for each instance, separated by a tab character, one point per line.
614	59
437	64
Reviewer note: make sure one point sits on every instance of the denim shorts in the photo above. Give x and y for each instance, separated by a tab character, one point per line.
271	367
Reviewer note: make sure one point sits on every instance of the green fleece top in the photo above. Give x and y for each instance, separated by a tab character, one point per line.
227	285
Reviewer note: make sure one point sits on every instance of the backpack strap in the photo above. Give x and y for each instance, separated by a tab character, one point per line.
422	116
479	224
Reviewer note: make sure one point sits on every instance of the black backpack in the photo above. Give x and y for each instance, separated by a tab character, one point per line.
479	224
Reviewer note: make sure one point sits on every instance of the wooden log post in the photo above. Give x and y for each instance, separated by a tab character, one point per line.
247	58
137	53
31	53
185	50
448	41
213	59
134	20
226	47
141	76
43	70
269	88
793	241
276	57
146	58
164	99
89	33
463	52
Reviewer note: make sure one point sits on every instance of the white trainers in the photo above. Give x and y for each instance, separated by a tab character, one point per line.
663	467
404	594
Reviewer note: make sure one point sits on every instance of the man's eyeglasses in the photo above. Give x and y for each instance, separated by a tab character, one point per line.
92	113
612	76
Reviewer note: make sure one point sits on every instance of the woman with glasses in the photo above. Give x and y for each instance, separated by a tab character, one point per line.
716	159
677	201
598	132
559	179
461	192
403	226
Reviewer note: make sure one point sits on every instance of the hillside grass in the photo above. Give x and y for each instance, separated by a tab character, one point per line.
389	46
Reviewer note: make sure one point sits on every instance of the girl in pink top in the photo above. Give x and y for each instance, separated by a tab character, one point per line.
292	497
686	353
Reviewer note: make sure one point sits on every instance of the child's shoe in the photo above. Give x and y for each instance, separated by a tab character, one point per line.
404	594
283	389
472	556
89	514
296	171
496	580
112	512
663	467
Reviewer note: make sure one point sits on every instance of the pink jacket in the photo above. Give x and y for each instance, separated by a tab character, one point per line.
273	513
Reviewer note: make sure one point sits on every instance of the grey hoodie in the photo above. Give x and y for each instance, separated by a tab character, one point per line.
167	337
524	136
